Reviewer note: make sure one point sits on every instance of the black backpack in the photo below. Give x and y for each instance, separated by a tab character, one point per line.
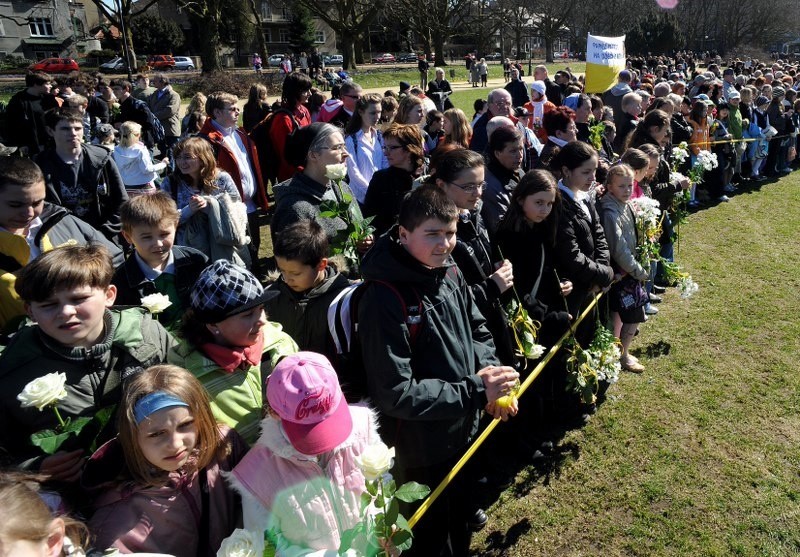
153	124
343	328
268	157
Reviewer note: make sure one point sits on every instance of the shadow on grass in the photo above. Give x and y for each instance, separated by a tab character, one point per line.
653	350
498	543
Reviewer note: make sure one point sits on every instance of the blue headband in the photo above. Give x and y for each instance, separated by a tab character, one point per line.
149	404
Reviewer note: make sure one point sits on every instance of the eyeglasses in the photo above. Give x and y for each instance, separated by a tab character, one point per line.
337	147
356	97
391	148
469	188
501	103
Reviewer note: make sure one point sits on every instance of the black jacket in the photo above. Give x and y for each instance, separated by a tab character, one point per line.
525	248
518	90
428	393
581	254
25	121
304	315
473	256
384	196
132	285
553	92
99	191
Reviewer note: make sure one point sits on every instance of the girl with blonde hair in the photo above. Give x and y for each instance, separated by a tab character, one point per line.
133	160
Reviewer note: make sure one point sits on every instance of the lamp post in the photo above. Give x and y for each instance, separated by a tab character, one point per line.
125	48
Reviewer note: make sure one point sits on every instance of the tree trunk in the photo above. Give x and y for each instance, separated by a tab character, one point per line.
438	44
359	52
348	51
548	48
517	42
209	48
260	38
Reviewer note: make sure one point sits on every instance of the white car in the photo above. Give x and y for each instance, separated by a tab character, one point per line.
335	60
275	60
183	63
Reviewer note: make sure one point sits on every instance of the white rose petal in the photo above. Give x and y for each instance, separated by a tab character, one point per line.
44	391
375	460
336	171
156	303
242	543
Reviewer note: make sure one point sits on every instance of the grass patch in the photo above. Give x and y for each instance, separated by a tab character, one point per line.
699	454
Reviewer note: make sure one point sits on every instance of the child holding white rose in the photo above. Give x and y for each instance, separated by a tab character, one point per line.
156	266
68	295
301	480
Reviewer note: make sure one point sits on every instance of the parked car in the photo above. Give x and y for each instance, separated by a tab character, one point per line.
407	57
333	60
384	58
494	56
116	64
275	60
55	65
184	63
164	62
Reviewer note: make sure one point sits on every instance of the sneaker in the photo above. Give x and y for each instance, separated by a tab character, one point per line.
723	198
694	204
650	309
632	365
730	188
655	298
785	171
478	520
658	289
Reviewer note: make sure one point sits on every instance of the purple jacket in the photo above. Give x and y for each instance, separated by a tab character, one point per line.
166	519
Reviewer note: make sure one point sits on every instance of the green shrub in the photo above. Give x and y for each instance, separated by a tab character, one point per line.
230	82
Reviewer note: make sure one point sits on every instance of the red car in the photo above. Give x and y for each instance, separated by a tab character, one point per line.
161	61
384	58
55	65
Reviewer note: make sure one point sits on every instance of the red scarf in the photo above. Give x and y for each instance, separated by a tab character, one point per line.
231	359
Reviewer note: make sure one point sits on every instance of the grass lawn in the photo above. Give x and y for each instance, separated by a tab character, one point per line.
699	455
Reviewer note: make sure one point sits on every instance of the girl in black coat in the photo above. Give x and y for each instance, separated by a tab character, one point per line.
581	253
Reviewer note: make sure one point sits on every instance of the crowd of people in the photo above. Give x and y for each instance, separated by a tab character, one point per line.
153	381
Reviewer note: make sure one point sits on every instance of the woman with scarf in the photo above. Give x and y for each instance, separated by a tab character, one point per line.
538	107
230	346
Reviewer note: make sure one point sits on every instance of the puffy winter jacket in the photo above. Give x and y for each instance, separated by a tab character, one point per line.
306	502
237	398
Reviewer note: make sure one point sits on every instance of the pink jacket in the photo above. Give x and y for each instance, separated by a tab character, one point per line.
138	519
307	502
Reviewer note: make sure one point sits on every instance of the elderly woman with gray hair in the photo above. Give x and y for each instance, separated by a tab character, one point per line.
313	148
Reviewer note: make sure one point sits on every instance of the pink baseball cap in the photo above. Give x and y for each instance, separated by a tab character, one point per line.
304	391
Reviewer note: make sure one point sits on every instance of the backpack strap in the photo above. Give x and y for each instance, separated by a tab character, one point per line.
9	264
411	303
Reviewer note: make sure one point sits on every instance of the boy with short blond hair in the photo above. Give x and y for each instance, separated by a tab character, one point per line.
156	266
308	284
73	330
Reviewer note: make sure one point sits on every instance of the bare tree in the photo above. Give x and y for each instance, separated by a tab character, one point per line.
120	13
349	18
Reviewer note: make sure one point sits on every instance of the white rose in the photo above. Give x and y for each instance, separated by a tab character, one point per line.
375	460
336	171
156	303
242	543
44	391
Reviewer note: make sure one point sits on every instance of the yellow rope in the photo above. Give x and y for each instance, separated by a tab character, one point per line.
485	433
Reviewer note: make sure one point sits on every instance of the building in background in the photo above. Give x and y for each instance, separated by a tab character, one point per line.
44	29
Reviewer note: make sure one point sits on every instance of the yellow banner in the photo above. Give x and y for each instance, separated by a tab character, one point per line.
605	58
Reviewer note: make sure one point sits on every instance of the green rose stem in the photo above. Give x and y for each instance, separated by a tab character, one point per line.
58	415
387	528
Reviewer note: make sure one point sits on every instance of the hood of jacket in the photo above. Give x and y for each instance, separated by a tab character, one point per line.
621	89
388	258
127	158
299	186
